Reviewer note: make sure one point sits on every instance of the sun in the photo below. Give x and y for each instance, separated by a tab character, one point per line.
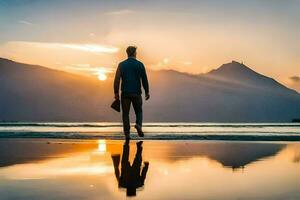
102	76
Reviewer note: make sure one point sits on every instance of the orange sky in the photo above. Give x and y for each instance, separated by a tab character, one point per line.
192	37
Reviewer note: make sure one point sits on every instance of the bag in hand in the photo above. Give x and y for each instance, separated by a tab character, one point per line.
116	105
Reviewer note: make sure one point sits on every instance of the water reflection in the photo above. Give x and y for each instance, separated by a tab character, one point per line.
104	169
237	155
131	177
230	154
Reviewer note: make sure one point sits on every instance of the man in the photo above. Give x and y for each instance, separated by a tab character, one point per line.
133	73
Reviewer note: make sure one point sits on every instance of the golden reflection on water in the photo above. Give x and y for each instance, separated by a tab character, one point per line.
101	146
164	170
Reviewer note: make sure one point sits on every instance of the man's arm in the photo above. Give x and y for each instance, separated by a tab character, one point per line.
117	82
144	171
116	162
145	82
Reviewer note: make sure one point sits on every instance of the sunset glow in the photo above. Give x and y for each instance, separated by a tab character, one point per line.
196	99
102	75
193	37
90	48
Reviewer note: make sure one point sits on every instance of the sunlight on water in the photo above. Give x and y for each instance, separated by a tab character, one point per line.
209	170
101	146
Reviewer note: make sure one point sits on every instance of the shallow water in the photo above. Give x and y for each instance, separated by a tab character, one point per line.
179	131
72	169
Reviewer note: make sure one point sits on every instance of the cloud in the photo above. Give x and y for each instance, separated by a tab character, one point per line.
25	22
187	63
91	48
294	83
295	79
87	69
120	12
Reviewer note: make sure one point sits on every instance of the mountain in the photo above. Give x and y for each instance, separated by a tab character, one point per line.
35	93
238	74
231	93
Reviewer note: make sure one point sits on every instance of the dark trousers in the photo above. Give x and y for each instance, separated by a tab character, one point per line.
136	100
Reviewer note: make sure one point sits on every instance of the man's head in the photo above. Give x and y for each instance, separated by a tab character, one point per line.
131	51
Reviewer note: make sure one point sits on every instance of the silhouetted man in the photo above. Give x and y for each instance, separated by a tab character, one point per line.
131	177
133	73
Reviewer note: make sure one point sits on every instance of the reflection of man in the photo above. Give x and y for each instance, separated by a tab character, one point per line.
131	177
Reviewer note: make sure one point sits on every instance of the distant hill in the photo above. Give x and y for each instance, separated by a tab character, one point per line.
35	93
231	93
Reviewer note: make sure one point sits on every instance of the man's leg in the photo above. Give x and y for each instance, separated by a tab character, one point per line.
116	162
125	165
137	162
137	103
125	153
126	102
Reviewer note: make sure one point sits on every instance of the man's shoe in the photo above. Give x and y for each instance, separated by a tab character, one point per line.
139	130
127	136
146	163
139	144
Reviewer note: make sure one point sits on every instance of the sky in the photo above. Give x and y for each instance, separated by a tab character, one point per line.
90	36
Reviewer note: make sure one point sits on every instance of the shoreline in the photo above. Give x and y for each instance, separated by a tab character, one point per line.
155	131
294	138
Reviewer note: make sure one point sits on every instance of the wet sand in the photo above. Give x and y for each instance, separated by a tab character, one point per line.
111	169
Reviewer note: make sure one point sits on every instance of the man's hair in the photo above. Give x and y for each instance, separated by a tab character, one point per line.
131	51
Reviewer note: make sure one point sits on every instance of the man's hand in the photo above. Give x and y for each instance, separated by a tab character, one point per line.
147	96
117	96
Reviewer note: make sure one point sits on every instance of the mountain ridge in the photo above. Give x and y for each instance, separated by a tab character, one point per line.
213	72
43	94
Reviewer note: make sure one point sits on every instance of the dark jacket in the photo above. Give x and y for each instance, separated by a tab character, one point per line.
132	72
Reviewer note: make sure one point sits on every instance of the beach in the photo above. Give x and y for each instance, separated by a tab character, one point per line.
154	131
153	169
